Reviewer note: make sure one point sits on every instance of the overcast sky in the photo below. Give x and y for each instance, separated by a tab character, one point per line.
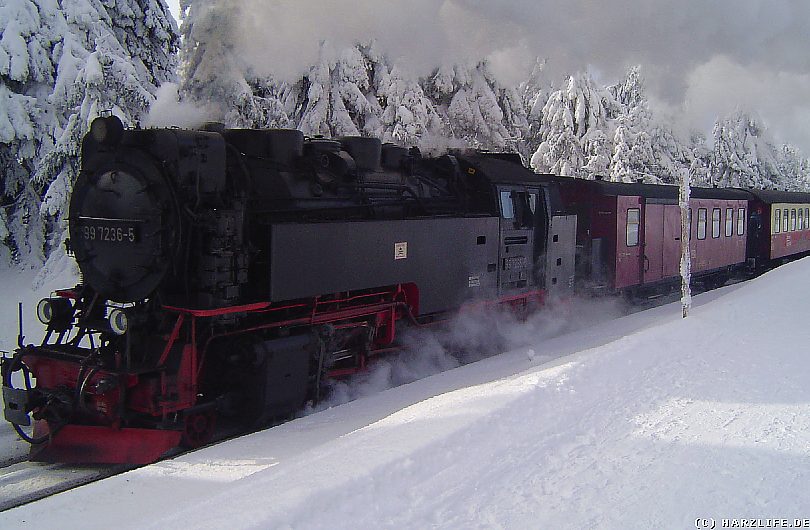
700	58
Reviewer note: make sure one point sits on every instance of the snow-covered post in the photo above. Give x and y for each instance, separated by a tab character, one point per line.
686	265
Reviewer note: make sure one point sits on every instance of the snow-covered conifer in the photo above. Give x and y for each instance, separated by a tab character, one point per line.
61	65
216	77
407	113
794	169
567	117
31	31
336	97
621	166
596	149
743	154
534	93
468	98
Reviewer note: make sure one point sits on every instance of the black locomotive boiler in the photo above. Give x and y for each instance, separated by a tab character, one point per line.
227	273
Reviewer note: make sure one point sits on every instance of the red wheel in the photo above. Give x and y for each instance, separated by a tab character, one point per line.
199	429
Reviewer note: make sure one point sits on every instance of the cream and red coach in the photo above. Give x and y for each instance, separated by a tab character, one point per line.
780	227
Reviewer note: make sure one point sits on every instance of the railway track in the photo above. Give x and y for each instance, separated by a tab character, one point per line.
24	482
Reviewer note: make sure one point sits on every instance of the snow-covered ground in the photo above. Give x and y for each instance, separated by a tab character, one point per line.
647	421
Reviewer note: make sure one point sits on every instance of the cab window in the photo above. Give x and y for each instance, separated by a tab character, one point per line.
632	227
507	206
533	202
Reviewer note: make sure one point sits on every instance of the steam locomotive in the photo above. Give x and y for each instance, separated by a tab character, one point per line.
228	273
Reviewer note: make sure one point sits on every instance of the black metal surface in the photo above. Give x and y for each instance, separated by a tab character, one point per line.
444	258
281	376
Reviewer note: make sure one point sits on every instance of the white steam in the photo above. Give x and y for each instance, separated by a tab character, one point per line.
168	111
471	336
719	86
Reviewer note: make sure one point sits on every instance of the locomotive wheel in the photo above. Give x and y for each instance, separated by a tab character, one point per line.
198	429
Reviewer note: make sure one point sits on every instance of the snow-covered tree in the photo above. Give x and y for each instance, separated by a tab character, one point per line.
216	77
408	115
336	97
621	165
794	168
699	157
535	93
629	93
568	117
634	156
27	70
743	154
61	65
468	97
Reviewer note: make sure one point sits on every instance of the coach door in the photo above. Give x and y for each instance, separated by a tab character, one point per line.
629	257
672	240
653	243
661	242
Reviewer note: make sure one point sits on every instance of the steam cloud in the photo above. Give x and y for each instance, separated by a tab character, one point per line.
168	110
469	337
699	57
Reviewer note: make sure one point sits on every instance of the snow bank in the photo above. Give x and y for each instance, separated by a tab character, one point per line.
647	421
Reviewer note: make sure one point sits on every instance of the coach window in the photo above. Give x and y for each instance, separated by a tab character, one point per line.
740	221
806	218
800	221
701	223
729	222
777	220
632	226
793	220
715	222
785	226
507	207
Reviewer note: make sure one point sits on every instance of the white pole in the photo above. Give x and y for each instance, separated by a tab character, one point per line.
686	264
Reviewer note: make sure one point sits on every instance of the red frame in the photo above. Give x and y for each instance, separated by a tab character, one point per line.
161	393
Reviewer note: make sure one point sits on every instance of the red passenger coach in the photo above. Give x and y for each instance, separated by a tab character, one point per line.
629	235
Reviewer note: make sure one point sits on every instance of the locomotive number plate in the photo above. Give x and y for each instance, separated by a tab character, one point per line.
109	230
